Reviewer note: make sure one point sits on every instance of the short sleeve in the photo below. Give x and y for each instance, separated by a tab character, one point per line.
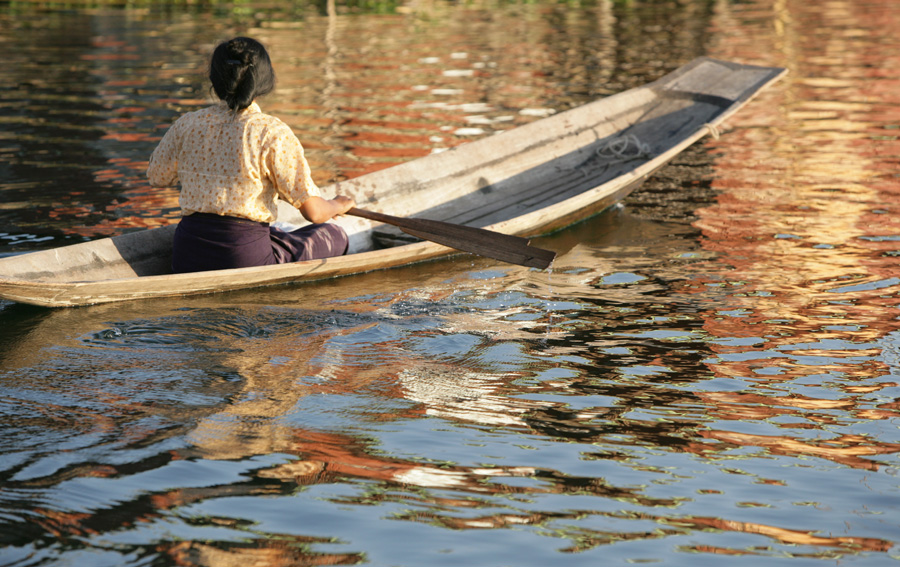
163	168
287	167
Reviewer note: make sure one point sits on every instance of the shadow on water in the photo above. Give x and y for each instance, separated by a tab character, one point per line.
20	322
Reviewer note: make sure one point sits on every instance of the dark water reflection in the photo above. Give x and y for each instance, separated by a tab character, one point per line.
713	369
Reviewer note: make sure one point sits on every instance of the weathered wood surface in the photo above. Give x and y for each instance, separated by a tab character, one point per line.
504	247
527	181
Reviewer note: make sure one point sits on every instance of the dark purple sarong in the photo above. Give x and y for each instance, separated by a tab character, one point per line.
214	242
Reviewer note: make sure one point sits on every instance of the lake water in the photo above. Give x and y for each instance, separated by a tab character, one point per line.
711	369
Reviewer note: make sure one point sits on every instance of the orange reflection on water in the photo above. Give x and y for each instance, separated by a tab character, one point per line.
806	208
805	198
794	537
848	450
807	220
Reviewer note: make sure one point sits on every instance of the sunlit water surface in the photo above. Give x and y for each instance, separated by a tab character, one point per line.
709	370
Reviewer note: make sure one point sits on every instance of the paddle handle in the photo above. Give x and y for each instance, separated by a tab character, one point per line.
372	215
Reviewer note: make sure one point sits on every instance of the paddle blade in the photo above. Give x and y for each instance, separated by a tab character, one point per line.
503	247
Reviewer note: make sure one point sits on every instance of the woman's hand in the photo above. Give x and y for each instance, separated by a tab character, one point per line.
318	210
344	202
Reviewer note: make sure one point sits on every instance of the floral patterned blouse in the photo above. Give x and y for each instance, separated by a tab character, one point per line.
234	165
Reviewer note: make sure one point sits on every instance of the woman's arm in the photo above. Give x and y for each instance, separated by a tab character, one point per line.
162	170
318	210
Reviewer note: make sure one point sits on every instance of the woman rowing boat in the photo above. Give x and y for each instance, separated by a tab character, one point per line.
233	163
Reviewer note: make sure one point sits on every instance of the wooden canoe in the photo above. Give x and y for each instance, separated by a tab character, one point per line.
527	181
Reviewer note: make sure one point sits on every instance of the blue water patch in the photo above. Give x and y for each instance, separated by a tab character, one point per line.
621	278
867	286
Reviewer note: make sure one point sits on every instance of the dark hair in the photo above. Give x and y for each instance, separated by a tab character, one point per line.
240	71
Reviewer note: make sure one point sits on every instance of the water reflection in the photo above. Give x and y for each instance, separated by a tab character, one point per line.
817	209
284	399
710	370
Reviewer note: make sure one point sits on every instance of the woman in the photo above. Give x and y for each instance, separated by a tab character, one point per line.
233	163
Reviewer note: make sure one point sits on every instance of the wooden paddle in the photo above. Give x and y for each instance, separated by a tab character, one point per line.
480	241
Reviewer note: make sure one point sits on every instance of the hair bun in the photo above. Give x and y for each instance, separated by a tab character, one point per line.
240	71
